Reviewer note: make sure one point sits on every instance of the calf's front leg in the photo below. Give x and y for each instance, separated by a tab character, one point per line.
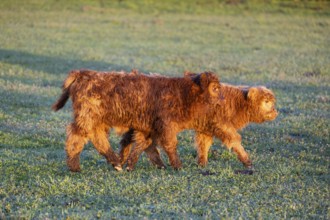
142	143
154	156
203	143
232	140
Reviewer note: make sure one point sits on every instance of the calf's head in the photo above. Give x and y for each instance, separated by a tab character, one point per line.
262	104
209	84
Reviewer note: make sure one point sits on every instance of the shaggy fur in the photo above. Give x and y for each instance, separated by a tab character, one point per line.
154	105
243	105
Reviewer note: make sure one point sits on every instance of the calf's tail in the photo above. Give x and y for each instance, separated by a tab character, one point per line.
72	76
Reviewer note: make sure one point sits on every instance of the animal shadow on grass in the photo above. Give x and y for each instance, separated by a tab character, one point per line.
54	64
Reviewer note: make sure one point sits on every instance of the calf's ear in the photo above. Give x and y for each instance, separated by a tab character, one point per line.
207	78
203	80
196	78
252	93
189	74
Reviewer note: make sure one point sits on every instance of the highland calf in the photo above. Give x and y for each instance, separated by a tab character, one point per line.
154	105
242	105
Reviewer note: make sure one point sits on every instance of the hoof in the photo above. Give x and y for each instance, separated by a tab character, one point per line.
248	164
250	167
129	169
118	168
177	168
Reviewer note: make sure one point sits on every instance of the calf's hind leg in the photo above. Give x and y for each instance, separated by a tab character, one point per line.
75	141
102	145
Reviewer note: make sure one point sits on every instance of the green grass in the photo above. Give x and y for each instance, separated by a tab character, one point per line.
282	45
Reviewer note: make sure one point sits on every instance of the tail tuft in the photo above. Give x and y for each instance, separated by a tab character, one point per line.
66	90
61	101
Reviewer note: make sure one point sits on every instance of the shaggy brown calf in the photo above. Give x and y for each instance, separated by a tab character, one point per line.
242	106
155	105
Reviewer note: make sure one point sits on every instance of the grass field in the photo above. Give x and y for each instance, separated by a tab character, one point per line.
285	46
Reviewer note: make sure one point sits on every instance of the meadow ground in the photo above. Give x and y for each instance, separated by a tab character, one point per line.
285	47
